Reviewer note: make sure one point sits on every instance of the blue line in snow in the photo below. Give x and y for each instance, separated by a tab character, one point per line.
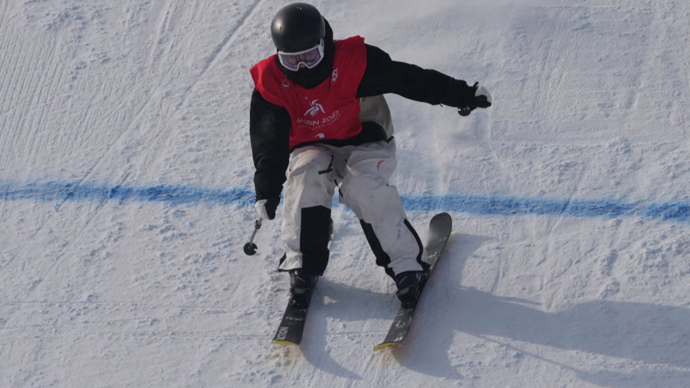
502	206
60	192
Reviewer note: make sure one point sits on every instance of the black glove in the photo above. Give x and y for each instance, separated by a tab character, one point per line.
266	208
482	99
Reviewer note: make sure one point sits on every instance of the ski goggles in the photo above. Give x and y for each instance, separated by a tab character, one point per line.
309	58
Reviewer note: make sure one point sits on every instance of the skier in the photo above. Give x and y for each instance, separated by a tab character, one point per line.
318	112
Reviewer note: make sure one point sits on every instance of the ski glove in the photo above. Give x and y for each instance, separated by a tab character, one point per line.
482	99
266	208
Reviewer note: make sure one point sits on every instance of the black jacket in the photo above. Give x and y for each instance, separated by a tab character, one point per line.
269	124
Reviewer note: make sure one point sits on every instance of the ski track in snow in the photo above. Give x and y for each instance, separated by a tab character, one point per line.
125	199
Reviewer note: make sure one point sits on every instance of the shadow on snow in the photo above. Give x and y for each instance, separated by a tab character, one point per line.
645	333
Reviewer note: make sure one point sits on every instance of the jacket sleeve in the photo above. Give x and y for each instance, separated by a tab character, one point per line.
269	130
383	75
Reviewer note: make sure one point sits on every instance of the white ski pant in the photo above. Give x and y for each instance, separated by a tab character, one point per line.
362	174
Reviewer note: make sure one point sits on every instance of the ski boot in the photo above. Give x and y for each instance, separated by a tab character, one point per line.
301	286
410	286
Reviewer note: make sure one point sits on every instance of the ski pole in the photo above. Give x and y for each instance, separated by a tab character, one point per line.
250	248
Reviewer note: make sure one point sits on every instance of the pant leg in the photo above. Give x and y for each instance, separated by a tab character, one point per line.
308	195
378	205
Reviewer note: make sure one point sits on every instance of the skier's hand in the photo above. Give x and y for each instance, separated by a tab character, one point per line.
266	208
482	99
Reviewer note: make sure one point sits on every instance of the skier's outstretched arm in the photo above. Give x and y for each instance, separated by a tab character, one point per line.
383	75
269	131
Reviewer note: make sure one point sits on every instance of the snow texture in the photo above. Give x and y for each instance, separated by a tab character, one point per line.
126	193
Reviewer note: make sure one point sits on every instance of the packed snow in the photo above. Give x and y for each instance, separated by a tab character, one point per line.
126	197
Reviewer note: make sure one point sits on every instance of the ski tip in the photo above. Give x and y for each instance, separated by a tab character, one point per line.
440	216
384	345
284	343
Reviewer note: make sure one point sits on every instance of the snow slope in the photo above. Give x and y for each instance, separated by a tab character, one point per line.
126	185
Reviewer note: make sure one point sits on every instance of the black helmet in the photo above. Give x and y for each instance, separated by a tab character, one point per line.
297	27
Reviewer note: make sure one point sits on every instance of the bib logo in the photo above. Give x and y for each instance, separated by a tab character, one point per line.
334	76
312	123
315	109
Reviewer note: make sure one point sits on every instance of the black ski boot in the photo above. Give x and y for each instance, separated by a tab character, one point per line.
410	286
301	286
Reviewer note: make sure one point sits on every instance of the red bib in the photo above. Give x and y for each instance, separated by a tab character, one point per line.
329	111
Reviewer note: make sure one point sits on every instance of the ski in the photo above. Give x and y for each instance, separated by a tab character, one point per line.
292	325
440	227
